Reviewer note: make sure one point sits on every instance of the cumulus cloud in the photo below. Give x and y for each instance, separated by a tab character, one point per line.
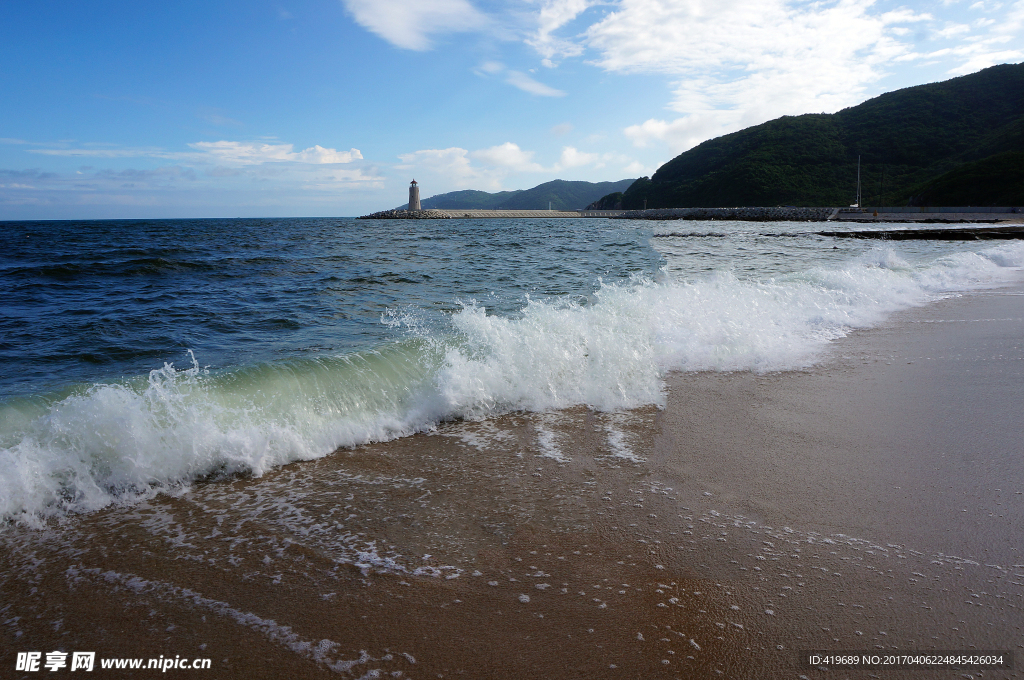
685	132
410	23
319	155
453	163
490	168
572	158
510	156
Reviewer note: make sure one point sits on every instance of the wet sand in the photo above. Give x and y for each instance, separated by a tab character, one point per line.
874	502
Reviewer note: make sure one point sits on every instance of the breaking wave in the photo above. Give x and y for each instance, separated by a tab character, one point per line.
108	443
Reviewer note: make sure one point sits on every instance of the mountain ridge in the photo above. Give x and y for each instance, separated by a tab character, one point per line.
561	194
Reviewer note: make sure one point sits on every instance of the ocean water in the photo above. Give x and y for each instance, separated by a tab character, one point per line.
137	357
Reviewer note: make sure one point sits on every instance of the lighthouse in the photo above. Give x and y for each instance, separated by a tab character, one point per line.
414	196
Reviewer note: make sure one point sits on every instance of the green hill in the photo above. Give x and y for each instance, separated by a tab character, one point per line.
562	195
994	181
468	199
906	139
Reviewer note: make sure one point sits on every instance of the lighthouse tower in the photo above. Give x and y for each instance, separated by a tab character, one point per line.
414	196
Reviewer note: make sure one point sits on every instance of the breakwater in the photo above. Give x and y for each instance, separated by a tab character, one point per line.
452	213
533	214
407	215
755	214
966	234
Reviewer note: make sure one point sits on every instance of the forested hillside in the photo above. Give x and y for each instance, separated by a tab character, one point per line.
937	144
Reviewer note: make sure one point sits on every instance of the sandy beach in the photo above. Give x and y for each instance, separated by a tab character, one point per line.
872	502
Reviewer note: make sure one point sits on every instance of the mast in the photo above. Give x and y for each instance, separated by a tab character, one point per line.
858	180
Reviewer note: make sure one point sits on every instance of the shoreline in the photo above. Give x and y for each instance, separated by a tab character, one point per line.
870	502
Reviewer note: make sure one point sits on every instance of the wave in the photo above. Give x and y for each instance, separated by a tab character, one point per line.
91	446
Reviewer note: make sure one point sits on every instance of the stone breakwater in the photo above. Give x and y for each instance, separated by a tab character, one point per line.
408	215
778	214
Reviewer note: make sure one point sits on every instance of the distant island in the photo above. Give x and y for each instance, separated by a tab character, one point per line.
557	194
953	143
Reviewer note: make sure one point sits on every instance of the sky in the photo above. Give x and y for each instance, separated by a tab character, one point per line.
330	107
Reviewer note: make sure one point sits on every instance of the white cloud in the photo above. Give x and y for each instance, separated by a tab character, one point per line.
319	155
459	168
561	129
751	35
1001	44
251	153
952	30
510	156
553	15
241	153
738	63
410	23
452	160
683	133
448	168
171	190
105	152
517	79
491	67
528	84
572	158
638	169
1012	22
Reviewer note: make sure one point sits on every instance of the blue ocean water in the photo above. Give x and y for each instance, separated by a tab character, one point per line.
136	356
103	300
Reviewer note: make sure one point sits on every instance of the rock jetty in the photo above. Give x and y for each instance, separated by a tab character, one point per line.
408	215
777	214
964	234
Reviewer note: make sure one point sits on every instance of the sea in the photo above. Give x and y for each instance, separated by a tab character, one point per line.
139	357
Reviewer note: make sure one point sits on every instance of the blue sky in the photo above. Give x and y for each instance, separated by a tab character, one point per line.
330	107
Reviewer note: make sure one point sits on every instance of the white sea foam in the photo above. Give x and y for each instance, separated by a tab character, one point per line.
619	447
548	446
117	442
322	651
